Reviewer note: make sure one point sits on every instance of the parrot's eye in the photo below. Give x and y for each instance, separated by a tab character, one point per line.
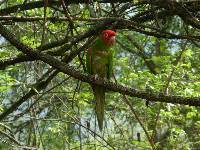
105	35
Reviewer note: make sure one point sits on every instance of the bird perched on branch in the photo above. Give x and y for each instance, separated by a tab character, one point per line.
99	62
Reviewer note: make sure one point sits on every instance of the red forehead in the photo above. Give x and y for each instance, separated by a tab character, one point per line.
109	32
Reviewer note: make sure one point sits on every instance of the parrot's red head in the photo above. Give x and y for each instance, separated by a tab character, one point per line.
108	37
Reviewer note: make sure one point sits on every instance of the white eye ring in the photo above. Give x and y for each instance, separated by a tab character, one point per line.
106	35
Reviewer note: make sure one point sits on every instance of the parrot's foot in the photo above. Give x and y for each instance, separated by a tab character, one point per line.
112	80
105	78
96	76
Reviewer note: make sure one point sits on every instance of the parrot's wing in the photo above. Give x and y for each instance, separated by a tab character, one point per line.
89	61
110	64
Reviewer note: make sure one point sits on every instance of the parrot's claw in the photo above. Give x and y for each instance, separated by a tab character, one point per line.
112	80
96	76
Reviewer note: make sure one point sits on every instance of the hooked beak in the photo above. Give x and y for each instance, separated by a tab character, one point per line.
112	40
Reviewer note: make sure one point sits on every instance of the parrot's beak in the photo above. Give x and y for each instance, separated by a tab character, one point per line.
112	40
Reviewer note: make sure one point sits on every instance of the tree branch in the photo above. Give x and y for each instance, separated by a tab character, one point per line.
13	61
27	6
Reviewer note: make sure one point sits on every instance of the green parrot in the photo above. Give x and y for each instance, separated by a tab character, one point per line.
99	62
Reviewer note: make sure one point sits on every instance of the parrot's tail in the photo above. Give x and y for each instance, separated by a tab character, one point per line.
99	95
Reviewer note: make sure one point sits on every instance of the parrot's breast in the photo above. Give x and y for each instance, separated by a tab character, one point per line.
100	63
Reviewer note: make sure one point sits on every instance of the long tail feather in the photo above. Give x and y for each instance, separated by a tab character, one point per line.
99	95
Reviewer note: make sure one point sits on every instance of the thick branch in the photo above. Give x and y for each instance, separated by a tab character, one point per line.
63	67
27	6
13	61
39	4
